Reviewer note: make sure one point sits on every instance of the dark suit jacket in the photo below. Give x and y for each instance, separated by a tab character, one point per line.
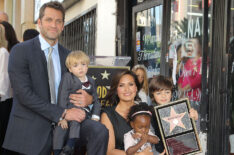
32	114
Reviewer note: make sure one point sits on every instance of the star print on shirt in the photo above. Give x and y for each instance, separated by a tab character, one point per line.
174	119
105	75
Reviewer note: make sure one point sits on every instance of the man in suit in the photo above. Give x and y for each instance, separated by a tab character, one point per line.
33	114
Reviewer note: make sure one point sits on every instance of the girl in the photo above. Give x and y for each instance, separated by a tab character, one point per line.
141	73
140	137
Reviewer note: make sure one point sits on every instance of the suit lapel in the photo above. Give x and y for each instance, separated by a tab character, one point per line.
62	56
40	54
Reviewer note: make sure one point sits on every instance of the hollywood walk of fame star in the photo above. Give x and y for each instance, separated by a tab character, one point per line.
105	75
174	119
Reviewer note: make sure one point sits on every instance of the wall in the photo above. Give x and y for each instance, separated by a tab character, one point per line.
106	23
1	5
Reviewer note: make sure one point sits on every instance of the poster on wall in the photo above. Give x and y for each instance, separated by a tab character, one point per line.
178	130
103	76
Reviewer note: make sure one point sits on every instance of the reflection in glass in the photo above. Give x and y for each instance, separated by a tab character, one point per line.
148	39
185	53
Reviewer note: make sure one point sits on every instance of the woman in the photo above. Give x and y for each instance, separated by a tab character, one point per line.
141	73
10	35
5	88
121	97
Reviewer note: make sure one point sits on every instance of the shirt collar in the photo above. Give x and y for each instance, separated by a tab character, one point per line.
45	45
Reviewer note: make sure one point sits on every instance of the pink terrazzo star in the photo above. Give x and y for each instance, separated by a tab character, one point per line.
175	119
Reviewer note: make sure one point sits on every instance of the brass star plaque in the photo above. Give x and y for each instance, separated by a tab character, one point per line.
178	130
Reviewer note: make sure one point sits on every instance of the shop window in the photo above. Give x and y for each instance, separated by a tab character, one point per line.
80	33
185	49
148	39
185	54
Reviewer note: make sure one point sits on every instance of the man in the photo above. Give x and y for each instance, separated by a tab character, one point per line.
31	122
3	16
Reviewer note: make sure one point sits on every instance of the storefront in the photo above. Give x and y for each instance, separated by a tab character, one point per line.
190	41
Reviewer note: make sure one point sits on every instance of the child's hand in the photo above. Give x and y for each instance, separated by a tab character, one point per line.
144	137
63	123
193	114
136	135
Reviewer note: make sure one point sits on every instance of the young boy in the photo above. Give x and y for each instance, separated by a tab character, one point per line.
77	62
160	92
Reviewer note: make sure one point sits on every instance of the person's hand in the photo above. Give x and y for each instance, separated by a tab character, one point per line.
144	138
136	135
81	99
75	114
63	123
193	114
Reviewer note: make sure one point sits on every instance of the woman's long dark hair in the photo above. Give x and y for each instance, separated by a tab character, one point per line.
112	96
10	35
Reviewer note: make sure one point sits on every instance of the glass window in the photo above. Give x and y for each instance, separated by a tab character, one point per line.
148	39
185	54
185	49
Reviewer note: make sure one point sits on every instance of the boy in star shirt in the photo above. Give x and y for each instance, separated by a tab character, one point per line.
77	63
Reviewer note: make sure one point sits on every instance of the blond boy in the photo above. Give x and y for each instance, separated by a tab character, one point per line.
77	63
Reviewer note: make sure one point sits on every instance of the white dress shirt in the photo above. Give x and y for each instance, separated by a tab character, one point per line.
5	86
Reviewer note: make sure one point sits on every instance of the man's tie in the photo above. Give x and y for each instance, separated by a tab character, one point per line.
50	69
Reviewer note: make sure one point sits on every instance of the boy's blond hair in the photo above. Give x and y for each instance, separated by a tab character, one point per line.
75	56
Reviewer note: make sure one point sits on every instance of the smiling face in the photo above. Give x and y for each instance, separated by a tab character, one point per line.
79	69
51	25
127	89
141	124
162	96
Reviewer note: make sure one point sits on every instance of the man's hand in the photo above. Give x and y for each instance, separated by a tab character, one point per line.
75	114
81	99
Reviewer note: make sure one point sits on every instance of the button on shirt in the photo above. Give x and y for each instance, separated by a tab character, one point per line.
56	61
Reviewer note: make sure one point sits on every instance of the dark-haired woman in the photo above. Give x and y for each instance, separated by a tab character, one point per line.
122	96
10	35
